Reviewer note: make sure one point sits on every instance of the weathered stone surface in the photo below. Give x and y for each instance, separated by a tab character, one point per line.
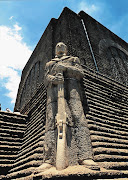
64	92
105	104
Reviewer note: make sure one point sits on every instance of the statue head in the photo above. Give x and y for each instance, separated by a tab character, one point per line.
61	49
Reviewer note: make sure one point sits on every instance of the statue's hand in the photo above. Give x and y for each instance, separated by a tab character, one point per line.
58	78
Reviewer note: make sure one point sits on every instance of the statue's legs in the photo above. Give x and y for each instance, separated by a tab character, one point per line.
50	134
82	134
85	153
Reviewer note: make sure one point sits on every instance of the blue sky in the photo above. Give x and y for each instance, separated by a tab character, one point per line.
22	22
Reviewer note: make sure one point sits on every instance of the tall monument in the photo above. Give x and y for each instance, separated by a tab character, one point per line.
73	104
67	137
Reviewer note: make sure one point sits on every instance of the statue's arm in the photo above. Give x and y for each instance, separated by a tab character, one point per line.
49	78
72	66
76	67
63	66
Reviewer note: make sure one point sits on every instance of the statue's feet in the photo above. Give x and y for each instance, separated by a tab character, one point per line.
42	168
89	163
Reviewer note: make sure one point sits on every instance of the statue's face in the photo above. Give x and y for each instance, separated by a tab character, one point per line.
61	49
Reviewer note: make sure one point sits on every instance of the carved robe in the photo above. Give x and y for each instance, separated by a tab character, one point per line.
78	136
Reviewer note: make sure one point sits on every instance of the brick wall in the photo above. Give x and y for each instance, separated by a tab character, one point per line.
12	128
110	51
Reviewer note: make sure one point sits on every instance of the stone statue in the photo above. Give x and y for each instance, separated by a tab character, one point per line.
67	137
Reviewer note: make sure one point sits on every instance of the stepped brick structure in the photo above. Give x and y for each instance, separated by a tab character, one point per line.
104	58
12	128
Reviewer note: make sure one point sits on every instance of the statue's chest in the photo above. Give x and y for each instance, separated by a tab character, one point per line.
69	61
66	62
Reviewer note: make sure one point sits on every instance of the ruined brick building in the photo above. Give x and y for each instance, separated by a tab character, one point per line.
104	57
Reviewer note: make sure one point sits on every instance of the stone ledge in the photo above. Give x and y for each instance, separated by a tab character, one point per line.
78	172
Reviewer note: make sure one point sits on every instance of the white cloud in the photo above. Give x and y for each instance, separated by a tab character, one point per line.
13	56
11	17
11	82
17	28
88	8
